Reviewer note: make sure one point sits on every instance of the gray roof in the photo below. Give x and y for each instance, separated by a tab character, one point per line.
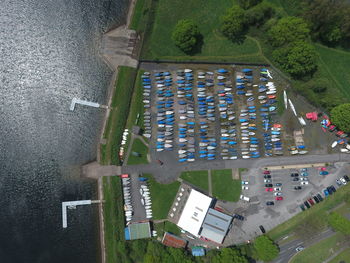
215	225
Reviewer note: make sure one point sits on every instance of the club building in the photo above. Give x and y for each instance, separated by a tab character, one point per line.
201	220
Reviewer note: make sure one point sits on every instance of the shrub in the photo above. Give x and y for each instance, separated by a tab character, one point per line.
340	116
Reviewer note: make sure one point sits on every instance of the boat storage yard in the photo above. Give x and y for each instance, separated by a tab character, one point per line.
223	113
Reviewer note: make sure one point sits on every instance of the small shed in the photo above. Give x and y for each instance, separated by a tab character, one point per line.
171	240
198	251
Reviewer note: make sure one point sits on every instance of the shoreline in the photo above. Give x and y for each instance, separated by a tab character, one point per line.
110	94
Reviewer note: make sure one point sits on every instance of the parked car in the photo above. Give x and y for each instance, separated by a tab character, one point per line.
346	178
268	185
266	172
319	197
294	175
278	198
278	184
277	189
326	193
311	202
245	182
277	194
267	176
343	181
239	217
307	204
270	203
299	248
302	207
262	229
297	187
338	182
269	189
295	179
316	199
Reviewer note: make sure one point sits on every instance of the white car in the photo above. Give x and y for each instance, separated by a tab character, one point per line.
245	182
245	198
304	182
343	181
277	194
245	187
277	189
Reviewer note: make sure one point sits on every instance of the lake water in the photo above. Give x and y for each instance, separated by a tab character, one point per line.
49	54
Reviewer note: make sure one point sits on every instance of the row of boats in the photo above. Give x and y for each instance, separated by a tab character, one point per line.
128	207
146	199
147	89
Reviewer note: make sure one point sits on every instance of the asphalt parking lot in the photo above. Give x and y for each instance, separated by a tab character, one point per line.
256	212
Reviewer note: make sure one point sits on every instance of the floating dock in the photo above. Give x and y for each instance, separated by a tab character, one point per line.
83	102
72	205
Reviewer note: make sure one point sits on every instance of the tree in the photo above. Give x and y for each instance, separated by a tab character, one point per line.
265	248
288	29
229	255
299	59
340	116
233	23
259	14
246	4
339	223
186	35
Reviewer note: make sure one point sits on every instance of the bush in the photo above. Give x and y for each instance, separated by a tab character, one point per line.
186	35
265	248
259	14
298	60
246	4
233	24
340	116
288	30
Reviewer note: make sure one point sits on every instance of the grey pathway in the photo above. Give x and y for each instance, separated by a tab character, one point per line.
209	183
129	149
169	171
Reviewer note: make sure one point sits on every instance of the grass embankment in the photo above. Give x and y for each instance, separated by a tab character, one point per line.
138	147
197	178
206	14
166	226
118	115
162	196
320	251
141	15
224	187
317	211
342	257
113	217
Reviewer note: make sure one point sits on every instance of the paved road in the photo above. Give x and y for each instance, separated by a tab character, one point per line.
168	172
287	251
171	169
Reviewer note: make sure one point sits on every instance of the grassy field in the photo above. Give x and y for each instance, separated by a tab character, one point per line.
342	257
206	14
289	226
224	187
162	196
197	178
119	113
139	147
113	216
320	251
166	227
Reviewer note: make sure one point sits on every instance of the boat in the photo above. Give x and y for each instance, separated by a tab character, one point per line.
285	99
292	107
334	144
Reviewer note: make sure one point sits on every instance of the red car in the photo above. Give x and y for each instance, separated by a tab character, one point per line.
269	189
331	128
266	172
279	198
311	201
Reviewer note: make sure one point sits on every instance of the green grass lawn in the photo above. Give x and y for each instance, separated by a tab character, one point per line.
113	216
289	226
162	196
118	114
206	14
342	257
320	251
224	187
166	227
139	147
336	63
197	178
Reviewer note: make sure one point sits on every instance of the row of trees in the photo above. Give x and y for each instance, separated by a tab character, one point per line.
148	251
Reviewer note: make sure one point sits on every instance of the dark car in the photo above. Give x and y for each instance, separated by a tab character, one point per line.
307	204
294	175
330	190
311	201
270	203
346	178
267	176
268	185
302	207
295	179
239	217
278	184
333	188
262	229
316	199
297	187
319	197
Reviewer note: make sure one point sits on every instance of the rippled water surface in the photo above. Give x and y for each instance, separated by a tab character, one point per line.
49	54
